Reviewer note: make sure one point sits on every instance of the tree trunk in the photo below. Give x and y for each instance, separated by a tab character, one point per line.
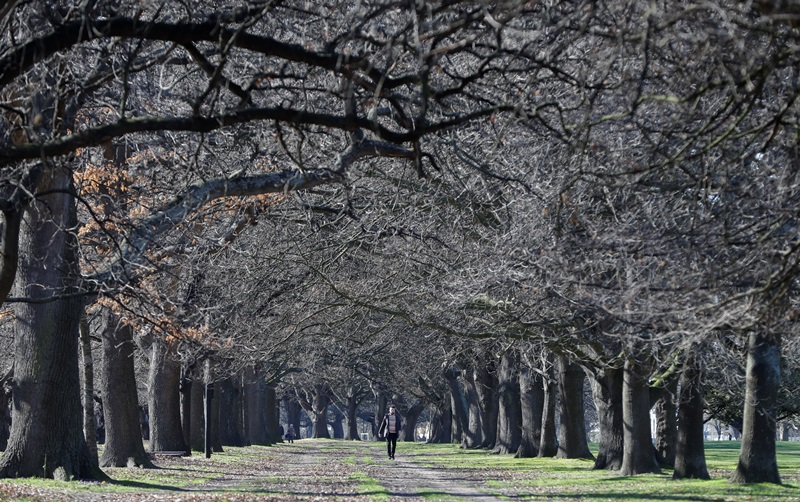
351	431
666	424
123	445
46	438
572	441
473	434
458	406
441	430
197	434
638	452
5	401
531	407
509	419
164	401
256	399
229	397
757	462
607	391
548	445
273	415
89	424
486	386
336	423
320	416
186	408
690	457
410	421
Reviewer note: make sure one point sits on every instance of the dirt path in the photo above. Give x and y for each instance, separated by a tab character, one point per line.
310	469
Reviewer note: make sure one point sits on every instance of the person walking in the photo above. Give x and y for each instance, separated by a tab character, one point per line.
390	429
290	433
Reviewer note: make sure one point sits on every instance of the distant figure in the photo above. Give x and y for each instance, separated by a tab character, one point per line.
390	429
290	433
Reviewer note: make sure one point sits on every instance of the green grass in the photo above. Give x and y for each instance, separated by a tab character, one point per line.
529	479
370	487
356	469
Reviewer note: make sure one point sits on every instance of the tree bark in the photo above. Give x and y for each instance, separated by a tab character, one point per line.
5	401
458	406
638	452
757	460
186	408
509	419
531	407
473	434
89	424
351	431
548	445
666	424
197	414
46	437
607	391
229	398
410	421
163	400
256	399
337	423
441	430
124	446
572	441
690	457
319	409
273	415
486	386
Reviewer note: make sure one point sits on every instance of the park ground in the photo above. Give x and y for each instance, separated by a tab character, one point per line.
316	469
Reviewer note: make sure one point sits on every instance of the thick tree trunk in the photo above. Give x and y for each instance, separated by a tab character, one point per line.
638	452
473	434
197	429
123	445
666	424
89	424
164	401
229	399
607	391
441	430
486	386
690	457
351	431
46	438
256	398
273	415
318	408
548	445
336	424
757	461
458	406
572	441
410	421
531	406
509	419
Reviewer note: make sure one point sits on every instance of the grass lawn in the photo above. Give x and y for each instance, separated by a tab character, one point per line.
345	470
533	479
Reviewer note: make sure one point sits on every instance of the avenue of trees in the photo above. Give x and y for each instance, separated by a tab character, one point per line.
472	210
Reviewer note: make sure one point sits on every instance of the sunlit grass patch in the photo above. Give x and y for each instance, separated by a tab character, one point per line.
370	487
